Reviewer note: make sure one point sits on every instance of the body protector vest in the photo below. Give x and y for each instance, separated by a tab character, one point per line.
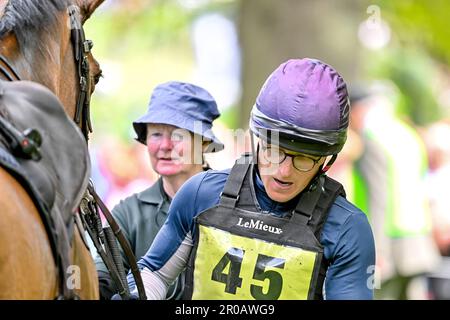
241	253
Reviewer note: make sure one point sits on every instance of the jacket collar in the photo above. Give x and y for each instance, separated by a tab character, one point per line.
153	194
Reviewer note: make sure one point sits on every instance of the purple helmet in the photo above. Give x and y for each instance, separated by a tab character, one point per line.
305	101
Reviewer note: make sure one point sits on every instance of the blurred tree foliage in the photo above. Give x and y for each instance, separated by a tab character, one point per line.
273	31
138	48
421	23
414	73
419	51
140	44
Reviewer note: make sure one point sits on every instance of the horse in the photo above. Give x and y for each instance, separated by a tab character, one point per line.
37	46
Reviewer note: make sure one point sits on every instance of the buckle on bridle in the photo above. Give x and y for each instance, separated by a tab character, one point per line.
88	45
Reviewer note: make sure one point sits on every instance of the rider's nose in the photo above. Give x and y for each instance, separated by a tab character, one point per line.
286	167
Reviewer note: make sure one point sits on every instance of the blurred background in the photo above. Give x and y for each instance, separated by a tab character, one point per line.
393	54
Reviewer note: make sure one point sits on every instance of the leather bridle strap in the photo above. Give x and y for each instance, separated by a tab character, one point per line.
82	49
11	75
93	225
123	243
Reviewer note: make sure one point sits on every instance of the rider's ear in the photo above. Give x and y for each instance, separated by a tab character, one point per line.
88	7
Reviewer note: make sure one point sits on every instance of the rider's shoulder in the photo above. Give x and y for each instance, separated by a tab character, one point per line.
344	216
204	186
210	176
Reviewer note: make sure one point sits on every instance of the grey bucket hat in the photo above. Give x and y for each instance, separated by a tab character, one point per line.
182	105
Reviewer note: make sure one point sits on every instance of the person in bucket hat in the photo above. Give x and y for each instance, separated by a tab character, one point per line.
274	226
177	130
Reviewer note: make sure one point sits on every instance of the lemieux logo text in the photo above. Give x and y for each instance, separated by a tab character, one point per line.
258	225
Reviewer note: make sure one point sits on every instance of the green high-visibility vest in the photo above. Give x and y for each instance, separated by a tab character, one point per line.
404	165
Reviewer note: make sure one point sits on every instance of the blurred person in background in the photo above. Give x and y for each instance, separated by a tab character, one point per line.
177	132
120	169
437	140
343	168
274	226
389	185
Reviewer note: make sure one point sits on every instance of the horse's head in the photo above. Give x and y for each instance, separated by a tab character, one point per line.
43	41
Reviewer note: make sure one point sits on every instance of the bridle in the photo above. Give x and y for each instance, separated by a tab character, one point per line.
103	238
11	75
82	49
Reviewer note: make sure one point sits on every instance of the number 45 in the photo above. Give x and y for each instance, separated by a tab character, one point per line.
232	280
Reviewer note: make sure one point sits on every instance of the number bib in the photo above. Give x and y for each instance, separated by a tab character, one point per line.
229	266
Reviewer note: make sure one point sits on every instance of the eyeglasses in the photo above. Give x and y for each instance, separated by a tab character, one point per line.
276	155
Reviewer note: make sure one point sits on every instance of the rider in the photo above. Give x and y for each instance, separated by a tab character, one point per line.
275	226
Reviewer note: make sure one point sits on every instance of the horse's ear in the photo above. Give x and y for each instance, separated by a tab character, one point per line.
88	7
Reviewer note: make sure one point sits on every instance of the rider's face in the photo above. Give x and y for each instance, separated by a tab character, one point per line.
283	181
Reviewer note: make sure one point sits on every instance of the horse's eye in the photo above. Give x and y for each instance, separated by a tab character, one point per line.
98	76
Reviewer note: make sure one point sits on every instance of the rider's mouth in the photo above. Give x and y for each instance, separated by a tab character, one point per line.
283	183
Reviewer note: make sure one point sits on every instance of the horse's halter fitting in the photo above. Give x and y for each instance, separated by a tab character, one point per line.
82	49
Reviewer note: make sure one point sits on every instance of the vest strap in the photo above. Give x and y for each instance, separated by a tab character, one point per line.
308	201
230	194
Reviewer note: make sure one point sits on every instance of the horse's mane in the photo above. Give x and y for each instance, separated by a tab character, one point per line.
23	16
